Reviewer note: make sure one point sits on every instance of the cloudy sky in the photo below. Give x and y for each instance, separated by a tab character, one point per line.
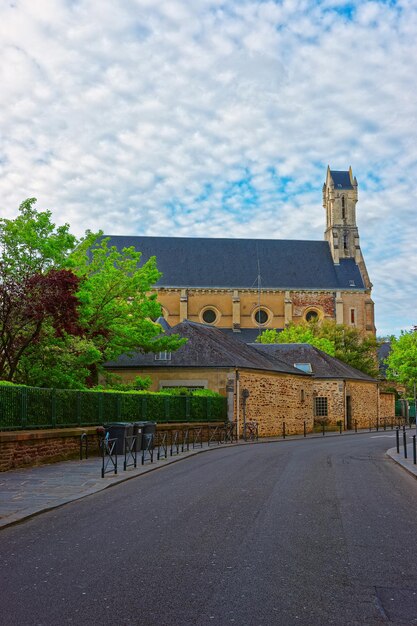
216	118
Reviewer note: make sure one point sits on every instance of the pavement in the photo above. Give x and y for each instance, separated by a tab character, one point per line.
30	491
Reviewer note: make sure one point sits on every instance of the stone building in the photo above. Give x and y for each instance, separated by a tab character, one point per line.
287	383
340	392
248	285
210	359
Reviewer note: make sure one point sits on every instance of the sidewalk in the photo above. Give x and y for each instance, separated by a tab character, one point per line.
407	464
28	491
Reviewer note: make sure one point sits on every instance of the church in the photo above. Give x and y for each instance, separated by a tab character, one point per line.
245	286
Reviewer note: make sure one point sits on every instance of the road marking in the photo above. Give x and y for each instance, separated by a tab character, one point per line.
379	436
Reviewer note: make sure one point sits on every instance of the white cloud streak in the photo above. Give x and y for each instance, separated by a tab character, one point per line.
216	119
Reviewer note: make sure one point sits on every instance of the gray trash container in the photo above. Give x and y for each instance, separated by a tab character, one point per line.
119	430
138	431
149	428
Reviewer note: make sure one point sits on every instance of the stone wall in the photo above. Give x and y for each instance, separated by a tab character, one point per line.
36	447
334	391
386	404
236	308
364	401
275	399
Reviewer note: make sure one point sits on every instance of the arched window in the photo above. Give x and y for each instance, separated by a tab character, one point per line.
346	241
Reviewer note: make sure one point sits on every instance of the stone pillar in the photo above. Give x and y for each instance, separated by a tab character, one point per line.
287	308
183	305
369	315
236	311
339	308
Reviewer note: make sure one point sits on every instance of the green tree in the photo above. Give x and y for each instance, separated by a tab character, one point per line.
402	359
67	306
346	343
117	307
298	333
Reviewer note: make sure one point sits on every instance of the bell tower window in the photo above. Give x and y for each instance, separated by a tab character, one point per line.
343	208
345	242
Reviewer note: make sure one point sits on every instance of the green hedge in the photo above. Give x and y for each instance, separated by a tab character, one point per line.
30	407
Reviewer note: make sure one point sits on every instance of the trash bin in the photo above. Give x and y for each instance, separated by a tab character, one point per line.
119	430
149	428
138	431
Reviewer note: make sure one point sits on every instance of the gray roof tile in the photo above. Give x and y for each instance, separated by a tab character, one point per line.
233	263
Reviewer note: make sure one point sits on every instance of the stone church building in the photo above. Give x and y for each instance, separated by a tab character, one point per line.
248	285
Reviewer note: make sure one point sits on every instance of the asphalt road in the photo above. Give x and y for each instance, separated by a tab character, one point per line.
301	532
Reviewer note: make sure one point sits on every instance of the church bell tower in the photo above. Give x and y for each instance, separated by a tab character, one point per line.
340	195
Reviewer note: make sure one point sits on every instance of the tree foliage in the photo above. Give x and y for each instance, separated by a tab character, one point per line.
402	359
346	343
67	306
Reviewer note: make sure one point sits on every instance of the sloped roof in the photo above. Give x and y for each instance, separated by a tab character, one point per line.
341	179
207	347
233	263
322	364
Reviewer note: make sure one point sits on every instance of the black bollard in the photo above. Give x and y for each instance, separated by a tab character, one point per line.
340	427
283	429
385	424
405	443
324	429
356	426
397	433
414	450
305	429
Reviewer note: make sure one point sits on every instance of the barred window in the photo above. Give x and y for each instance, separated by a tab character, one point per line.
320	407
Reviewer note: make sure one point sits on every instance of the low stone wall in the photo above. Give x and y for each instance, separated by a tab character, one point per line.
27	448
34	447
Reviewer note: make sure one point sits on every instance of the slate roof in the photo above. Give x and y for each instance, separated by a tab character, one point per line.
383	352
206	347
341	179
233	263
323	365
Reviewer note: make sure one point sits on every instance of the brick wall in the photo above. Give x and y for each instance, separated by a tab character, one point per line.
277	398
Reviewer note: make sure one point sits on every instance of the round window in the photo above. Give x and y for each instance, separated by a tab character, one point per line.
311	316
209	316
261	316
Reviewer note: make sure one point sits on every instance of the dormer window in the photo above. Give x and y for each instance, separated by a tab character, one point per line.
304	367
163	356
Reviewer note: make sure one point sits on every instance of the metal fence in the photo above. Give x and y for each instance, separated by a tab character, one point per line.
32	407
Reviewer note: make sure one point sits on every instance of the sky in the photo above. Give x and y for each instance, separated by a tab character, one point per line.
217	118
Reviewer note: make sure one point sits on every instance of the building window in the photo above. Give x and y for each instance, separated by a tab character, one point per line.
304	367
352	317
209	315
261	317
311	315
163	356
302	395
343	208
345	242
320	407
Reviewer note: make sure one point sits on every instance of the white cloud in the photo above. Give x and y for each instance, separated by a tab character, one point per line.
142	117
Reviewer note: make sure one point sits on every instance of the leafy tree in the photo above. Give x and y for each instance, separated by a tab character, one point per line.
402	359
346	343
116	307
298	333
67	306
32	244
